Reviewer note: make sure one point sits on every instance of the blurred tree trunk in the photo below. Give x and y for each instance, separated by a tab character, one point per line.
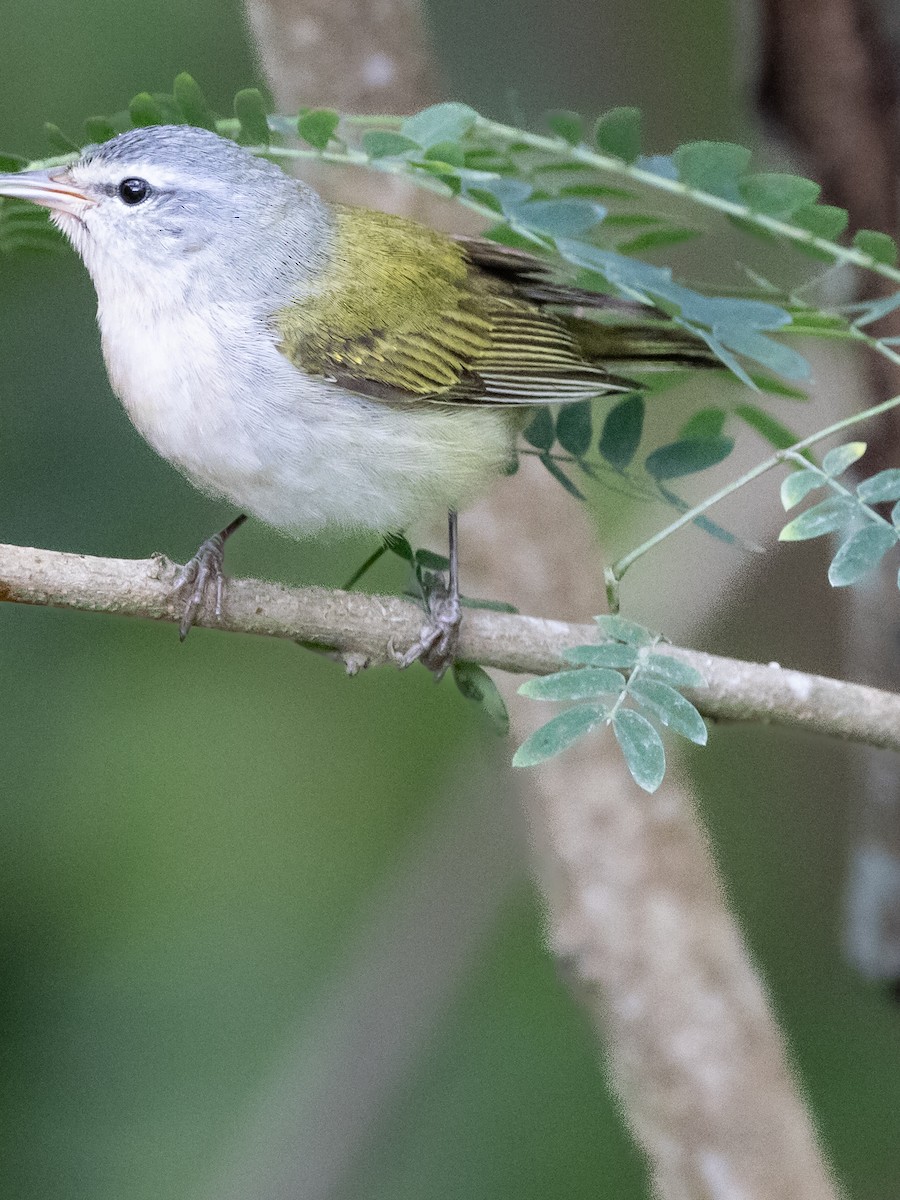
635	907
828	83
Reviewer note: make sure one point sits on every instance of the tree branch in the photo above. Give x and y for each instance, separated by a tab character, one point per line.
361	629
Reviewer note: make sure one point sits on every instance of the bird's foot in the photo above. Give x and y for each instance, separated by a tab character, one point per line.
202	578
436	644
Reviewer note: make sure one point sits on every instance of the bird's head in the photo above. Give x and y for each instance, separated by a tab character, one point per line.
171	209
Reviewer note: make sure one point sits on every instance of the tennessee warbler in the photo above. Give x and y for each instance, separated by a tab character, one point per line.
313	363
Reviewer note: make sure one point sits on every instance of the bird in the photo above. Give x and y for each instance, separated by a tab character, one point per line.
317	364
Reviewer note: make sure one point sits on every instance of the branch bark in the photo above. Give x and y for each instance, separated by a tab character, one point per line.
362	630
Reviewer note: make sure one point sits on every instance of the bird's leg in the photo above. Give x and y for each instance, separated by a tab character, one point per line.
205	576
436	644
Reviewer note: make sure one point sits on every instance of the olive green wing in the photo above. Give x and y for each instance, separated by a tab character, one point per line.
406	315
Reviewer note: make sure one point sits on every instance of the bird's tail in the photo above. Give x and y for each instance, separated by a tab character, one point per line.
638	346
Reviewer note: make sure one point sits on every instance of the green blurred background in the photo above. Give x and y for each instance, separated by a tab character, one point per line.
207	850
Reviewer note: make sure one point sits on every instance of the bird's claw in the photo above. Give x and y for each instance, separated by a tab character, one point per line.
436	644
204	574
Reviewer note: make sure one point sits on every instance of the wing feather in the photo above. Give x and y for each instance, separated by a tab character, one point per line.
408	316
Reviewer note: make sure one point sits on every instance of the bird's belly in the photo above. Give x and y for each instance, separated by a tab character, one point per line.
298	452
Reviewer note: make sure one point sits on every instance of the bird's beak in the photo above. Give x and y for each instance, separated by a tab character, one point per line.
52	189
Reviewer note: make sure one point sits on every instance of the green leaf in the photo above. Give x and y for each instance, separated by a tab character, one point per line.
618	132
317	125
397	544
449	153
603	654
775	433
765	383
540	432
381	143
822	220
431	561
563	218
145	110
822	518
642	748
687	456
583	683
622	431
439	123
714	167
706	423
861	552
669	707
671	235
744	339
99	129
778	195
190	99
475	684
59	142
561	477
837	461
574	427
724	323
567	125
250	110
797	486
672	670
12	162
501	606
559	733
877	245
623	630
878	488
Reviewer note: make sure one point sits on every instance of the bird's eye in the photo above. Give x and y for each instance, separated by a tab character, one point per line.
134	191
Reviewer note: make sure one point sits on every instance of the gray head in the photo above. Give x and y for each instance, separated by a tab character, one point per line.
180	209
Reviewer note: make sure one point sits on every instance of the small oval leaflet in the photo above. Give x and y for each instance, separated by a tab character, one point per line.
883	486
317	126
715	167
775	432
606	654
250	110
837	461
618	132
623	630
439	123
475	684
797	486
877	245
670	707
559	733
622	432
190	99
861	552
574	427
673	671
642	747
541	432
575	684
687	456
822	518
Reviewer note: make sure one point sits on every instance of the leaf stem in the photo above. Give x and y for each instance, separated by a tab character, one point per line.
616	571
614	166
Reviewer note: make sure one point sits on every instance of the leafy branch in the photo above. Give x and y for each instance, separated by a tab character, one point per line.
554	194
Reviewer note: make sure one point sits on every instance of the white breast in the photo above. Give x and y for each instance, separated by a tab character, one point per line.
210	391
